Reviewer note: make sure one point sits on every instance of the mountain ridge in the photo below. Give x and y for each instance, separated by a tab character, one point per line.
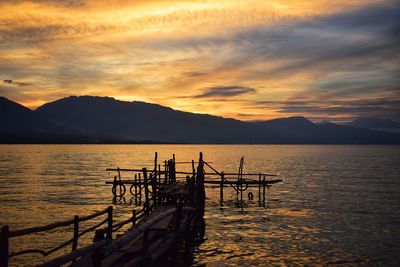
95	119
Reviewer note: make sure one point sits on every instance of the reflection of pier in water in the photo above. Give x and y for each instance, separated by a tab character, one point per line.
167	227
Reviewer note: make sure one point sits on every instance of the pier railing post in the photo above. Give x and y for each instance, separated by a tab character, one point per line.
146	191
159	174
109	222
173	169
264	185
76	233
140	189
259	188
4	235
136	189
193	169
165	172
200	191
221	192
120	182
154	188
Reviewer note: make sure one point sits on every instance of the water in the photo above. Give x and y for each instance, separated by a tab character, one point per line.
338	205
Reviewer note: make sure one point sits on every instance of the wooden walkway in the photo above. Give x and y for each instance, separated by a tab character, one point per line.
146	247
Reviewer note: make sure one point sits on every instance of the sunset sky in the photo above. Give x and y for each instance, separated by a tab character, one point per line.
251	60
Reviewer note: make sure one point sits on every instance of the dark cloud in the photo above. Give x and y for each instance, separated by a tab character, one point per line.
248	114
16	83
225	91
194	74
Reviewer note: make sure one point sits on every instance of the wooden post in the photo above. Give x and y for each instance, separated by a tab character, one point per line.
136	190
221	192
193	169
109	222
4	246
120	183
170	179
240	180
241	190
188	185
174	169
133	218
159	173
155	161
154	188
165	172
155	169
264	190
114	186
146	191
200	191
140	188
259	188
76	233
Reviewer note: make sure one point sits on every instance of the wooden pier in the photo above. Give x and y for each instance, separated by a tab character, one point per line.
169	223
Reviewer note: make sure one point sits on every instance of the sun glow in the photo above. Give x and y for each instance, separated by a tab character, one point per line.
172	51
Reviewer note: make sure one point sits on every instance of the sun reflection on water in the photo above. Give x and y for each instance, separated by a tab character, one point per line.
327	211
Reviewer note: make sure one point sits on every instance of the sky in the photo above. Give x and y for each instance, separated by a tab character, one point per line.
249	60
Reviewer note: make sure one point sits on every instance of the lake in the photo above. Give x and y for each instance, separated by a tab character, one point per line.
338	205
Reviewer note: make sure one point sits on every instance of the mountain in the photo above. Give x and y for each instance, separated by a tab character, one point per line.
17	118
19	124
89	119
299	130
109	118
290	130
376	124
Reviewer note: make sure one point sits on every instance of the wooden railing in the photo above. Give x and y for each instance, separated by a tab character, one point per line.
106	247
6	234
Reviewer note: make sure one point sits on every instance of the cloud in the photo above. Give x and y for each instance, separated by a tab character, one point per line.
328	55
16	83
225	91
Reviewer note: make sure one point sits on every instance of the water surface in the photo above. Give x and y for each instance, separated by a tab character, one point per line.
338	205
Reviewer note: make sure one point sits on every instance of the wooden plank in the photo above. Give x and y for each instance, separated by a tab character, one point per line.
129	251
132	247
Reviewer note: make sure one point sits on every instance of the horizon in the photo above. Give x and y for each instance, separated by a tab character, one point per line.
327	62
287	117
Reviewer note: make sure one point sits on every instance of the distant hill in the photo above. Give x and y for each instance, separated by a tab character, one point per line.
376	124
299	130
89	119
107	117
19	124
17	118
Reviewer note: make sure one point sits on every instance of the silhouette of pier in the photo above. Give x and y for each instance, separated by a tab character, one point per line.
168	225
